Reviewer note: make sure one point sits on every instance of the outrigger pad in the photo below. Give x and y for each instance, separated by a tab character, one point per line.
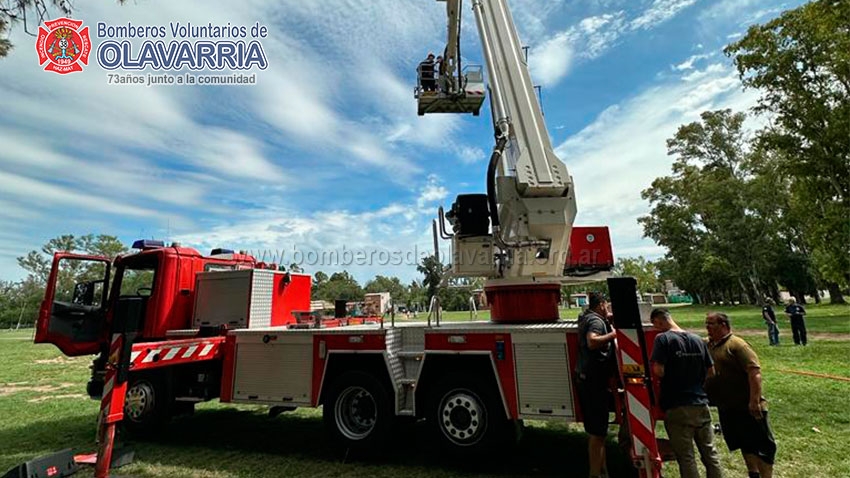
55	465
120	457
624	303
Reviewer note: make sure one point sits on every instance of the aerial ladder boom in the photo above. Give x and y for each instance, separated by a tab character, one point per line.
518	234
529	202
447	78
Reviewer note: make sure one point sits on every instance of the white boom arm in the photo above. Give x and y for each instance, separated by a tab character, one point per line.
451	56
530	193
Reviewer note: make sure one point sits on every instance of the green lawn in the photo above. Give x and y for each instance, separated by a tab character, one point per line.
44	410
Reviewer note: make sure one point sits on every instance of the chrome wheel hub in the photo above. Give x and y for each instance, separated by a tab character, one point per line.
462	417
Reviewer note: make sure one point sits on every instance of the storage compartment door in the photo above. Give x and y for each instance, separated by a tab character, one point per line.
544	387
278	372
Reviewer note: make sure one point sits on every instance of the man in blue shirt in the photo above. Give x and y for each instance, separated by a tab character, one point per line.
796	312
682	361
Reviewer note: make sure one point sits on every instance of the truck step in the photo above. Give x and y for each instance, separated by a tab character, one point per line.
411	354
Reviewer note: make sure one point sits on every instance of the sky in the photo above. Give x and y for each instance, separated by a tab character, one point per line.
324	161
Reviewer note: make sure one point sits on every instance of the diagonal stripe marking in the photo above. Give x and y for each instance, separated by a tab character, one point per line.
639	411
153	353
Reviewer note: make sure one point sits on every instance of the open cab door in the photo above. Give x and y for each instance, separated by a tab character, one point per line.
73	313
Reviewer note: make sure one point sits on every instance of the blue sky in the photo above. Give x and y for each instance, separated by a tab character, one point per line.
326	152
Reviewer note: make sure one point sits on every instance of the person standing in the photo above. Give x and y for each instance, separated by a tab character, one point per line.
682	361
796	312
426	73
736	390
594	370
770	319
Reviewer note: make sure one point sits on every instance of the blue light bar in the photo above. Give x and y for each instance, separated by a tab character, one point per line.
147	244
220	250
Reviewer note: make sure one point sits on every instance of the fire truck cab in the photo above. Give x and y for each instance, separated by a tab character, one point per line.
153	294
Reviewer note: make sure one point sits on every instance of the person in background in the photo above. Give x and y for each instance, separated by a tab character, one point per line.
736	390
796	313
770	319
682	361
594	371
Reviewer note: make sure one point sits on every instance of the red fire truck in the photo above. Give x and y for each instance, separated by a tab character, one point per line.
224	326
171	327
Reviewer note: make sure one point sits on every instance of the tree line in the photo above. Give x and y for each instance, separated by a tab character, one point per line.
744	213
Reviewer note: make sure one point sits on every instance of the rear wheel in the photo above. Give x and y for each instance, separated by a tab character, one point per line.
467	415
357	411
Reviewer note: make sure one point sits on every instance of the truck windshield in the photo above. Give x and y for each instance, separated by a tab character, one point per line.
137	277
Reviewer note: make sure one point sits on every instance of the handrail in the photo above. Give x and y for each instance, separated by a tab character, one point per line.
434	309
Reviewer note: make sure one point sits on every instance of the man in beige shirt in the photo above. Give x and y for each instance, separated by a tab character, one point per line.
736	391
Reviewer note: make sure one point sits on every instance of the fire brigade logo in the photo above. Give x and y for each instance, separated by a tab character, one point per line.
63	45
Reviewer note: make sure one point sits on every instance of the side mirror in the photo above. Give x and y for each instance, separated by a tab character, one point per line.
84	293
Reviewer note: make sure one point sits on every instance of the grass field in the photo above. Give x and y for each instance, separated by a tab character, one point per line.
44	409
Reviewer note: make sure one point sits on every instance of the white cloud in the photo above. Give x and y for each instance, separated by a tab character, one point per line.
470	154
624	149
431	192
592	37
726	10
129	178
689	63
41	193
551	60
588	39
659	12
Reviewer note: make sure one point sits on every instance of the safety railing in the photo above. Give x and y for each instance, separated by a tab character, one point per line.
434	310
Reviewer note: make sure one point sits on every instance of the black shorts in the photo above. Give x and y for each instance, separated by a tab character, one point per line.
743	431
593	398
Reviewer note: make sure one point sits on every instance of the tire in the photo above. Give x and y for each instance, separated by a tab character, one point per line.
467	416
145	404
357	411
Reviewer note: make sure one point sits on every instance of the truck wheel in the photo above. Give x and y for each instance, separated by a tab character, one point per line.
357	410
145	404
467	415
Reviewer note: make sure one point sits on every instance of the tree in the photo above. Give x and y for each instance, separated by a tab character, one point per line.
340	285
319	280
416	297
432	270
28	13
800	63
38	264
644	271
704	213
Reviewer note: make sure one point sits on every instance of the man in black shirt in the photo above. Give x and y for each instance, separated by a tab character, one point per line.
770	319
426	73
798	324
595	368
682	361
